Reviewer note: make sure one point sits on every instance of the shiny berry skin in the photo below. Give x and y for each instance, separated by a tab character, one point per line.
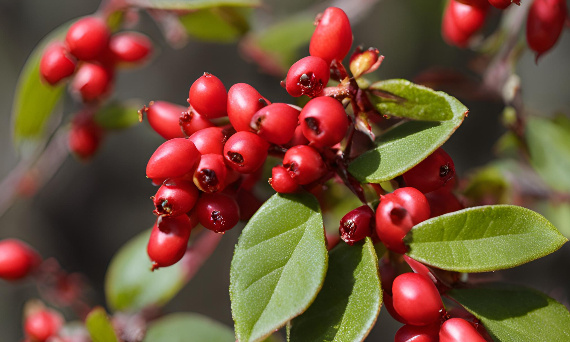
468	18
91	82
412	333
85	136
209	140
443	201
169	239
175	158
357	224
175	197
87	38
544	24
451	33
281	181
332	37
308	76
243	102
130	47
17	259
208	96
416	299
245	152
164	117
217	212
304	164
323	121
210	175
56	63
276	123
298	138
43	324
191	122
502	4
432	173
459	330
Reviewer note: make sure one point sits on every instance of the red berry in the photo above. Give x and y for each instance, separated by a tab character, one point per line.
276	123
245	152
175	197
416	299
412	333
208	96
298	138
175	158
169	239
308	76
415	203
281	181
85	136
243	102
432	173
209	140
164	117
91	82
42	324
210	175
459	330
17	259
332	37
56	63
442	201
217	212
544	24
87	38
451	33
191	122
357	224
468	18
388	302
130	47
323	121
304	164
502	4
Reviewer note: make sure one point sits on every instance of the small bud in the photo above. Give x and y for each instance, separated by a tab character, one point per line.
364	62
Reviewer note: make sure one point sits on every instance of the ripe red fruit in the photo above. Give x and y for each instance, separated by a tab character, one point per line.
91	82
217	212
502	4
304	164
17	259
208	96
432	173
243	102
416	299
298	138
412	333
323	121
56	63
451	33
87	38
175	197
85	136
164	117
468	18
191	122
175	158
442	201
245	152
308	76
210	175
357	224
130	47
43	324
169	239
544	24
276	123
281	181
459	330
209	140
332	37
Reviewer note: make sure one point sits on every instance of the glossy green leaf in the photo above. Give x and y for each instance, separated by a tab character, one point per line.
188	327
405	145
516	314
191	4
411	101
549	148
279	265
118	115
482	239
130	284
347	306
99	327
218	24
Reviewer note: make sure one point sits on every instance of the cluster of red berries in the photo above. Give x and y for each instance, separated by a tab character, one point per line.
545	21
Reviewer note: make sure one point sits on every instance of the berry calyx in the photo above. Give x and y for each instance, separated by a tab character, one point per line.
210	175
169	239
217	212
130	47
87	38
245	152
416	299
276	122
432	173
357	224
56	63
308	76
17	259
304	164
164	117
175	197
323	121
175	158
43	324
208	96
459	330
332	37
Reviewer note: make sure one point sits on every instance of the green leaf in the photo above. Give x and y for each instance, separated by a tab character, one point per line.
191	4
482	239
347	306
516	314
188	327
130	284
118	115
405	145
411	101
549	148
219	24
279	265
558	213
34	100
99	327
